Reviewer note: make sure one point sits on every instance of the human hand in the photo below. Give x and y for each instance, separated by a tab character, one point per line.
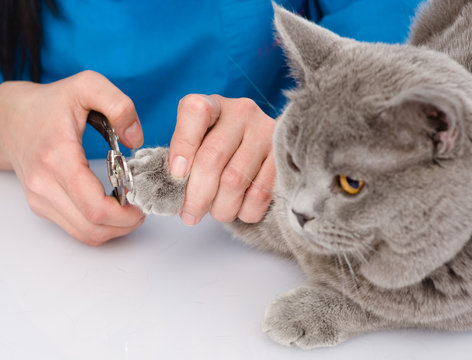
41	137
225	145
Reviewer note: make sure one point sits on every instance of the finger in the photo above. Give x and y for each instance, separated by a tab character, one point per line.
44	208
259	194
79	228
88	195
65	214
215	152
195	115
95	92
237	177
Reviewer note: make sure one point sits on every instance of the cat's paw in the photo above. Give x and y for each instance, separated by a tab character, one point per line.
309	318
155	190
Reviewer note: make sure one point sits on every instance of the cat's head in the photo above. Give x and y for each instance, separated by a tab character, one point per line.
373	152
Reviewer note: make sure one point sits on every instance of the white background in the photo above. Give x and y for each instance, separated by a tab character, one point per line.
166	291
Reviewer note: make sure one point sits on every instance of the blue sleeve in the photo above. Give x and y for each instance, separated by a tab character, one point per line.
369	20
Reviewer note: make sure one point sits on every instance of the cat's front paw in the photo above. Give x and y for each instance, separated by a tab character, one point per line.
155	190
310	318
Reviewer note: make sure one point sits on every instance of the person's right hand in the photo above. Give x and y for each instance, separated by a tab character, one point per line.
41	128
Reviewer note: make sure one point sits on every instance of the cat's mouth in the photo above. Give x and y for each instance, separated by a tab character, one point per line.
332	239
337	240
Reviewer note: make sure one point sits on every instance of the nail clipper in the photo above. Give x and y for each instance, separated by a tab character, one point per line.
118	171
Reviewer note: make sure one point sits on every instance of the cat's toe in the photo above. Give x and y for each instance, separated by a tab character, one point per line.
135	199
167	205
159	210
155	190
142	198
143	153
279	331
149	160
292	320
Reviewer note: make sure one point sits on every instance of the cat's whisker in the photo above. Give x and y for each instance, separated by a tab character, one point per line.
259	186
343	278
254	86
370	247
339	266
351	270
367	248
356	284
360	256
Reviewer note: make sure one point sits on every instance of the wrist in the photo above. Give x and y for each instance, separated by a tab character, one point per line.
5	164
5	103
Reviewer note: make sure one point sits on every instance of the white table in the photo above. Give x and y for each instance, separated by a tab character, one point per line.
166	291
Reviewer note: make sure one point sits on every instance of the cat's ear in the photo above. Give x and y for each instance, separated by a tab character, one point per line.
441	116
307	45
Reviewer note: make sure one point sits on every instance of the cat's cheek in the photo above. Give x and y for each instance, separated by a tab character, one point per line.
285	183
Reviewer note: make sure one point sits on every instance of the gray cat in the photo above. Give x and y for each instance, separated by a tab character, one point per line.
373	194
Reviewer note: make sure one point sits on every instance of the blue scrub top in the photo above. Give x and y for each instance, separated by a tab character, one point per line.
156	52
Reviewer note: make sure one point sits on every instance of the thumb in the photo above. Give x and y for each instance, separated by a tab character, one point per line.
95	92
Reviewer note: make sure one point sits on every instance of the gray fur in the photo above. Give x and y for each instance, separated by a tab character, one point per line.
399	117
155	190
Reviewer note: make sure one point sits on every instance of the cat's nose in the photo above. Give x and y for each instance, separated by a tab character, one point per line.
302	218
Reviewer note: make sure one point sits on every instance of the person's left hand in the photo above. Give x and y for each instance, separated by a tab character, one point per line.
225	145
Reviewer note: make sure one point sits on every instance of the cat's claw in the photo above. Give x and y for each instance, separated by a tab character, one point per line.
155	190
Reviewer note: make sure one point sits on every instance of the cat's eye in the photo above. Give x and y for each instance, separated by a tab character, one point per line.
291	163
350	185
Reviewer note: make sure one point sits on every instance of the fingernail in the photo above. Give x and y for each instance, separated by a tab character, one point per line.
133	133
179	167
188	219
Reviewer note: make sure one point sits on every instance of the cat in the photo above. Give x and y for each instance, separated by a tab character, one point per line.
373	194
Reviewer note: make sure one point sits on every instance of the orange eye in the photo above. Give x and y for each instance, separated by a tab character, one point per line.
350	185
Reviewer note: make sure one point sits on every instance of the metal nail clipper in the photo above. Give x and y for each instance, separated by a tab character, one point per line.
118	171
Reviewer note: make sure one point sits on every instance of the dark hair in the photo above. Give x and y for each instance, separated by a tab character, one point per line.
21	37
